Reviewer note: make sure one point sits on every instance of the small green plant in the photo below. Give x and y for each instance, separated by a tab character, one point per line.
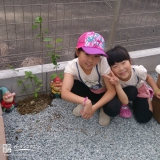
30	82
35	83
55	48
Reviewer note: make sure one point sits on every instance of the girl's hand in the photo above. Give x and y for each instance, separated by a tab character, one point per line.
87	112
113	79
157	94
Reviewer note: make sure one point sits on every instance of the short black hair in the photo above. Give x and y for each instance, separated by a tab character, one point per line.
78	50
117	54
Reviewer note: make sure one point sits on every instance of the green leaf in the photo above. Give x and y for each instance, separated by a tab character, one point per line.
26	76
35	26
54	61
53	57
38	35
36	90
59	40
49	46
49	53
61	75
36	82
59	48
47	39
38	20
35	95
53	76
28	72
19	81
32	76
39	80
57	56
35	77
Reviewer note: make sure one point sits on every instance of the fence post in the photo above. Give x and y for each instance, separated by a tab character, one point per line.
114	24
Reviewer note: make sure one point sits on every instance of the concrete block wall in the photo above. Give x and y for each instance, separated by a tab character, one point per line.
8	78
149	58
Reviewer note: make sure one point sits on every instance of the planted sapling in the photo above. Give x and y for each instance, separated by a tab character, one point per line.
30	82
57	78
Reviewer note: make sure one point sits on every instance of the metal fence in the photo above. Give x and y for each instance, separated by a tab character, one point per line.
131	23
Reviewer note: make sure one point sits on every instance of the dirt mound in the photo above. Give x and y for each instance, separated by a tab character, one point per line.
32	105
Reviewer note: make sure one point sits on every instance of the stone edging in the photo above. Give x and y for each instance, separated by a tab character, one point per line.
2	137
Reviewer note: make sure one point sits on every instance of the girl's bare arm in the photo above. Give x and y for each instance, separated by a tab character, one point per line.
153	85
121	94
109	95
66	93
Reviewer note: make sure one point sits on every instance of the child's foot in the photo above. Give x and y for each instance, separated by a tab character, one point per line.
125	112
104	119
77	110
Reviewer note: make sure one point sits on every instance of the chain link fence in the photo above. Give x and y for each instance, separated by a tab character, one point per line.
131	23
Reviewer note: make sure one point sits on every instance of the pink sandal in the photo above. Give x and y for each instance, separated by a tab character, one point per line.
125	112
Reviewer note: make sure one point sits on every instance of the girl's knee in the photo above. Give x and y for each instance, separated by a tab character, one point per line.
141	110
144	118
112	112
112	108
131	92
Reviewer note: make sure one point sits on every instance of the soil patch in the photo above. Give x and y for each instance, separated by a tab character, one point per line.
34	105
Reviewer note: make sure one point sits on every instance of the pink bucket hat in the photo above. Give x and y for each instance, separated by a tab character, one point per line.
92	43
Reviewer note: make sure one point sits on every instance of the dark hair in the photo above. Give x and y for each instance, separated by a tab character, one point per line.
78	50
117	54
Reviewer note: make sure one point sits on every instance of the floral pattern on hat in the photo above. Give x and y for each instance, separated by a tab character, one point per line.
94	40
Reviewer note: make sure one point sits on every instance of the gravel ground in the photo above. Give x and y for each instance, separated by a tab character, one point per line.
55	134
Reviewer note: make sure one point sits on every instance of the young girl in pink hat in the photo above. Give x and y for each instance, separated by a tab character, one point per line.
85	84
131	80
